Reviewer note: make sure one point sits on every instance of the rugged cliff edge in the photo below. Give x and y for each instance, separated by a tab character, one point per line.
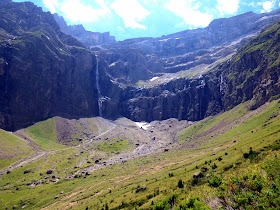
88	38
43	72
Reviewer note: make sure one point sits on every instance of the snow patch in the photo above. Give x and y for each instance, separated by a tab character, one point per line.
112	64
154	78
143	125
164	40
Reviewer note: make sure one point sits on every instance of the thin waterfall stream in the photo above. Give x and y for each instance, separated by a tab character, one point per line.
98	89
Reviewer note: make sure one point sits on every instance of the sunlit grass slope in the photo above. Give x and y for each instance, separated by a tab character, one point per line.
12	148
45	134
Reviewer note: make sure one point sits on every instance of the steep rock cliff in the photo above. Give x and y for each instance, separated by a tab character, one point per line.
43	72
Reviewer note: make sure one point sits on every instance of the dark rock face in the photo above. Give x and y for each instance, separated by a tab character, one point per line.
129	65
181	99
43	72
88	38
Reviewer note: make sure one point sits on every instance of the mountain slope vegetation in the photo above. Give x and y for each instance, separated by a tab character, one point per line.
211	158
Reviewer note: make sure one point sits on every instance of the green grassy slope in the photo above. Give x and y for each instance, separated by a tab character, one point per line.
58	133
12	149
44	134
236	175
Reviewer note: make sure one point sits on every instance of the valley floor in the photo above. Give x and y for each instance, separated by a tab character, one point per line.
100	164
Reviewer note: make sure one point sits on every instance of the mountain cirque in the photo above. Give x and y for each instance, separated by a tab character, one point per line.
187	75
71	104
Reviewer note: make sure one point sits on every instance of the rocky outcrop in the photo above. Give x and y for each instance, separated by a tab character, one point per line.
43	72
253	73
88	38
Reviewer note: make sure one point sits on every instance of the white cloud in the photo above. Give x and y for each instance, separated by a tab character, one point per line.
131	12
75	11
190	14
51	5
228	6
268	5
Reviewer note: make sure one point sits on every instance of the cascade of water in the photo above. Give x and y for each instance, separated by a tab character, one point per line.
98	89
222	85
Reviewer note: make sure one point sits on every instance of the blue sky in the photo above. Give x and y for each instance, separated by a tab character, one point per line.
149	18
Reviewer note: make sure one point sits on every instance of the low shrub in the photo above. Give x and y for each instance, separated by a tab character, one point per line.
215	181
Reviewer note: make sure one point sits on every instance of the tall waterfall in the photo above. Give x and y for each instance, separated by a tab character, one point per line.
98	89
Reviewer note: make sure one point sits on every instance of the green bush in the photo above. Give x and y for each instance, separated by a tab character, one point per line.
215	181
